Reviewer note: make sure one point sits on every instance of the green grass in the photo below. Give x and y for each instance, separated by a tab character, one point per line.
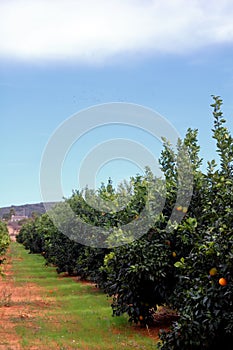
78	316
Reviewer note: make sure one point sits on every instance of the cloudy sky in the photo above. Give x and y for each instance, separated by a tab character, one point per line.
95	31
58	57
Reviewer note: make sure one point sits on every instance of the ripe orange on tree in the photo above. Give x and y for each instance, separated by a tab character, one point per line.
222	281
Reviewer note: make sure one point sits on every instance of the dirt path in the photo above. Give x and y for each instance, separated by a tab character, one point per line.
16	303
12	232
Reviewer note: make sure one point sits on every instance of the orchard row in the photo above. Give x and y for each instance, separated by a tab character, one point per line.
185	264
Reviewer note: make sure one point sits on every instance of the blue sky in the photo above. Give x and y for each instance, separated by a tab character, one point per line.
60	57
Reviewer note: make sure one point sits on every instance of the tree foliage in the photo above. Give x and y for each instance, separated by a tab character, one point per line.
185	264
4	240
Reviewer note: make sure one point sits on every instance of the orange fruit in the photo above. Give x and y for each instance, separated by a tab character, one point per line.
174	254
179	208
185	209
213	271
141	318
222	281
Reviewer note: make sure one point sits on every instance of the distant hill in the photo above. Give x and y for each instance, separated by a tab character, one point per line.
27	209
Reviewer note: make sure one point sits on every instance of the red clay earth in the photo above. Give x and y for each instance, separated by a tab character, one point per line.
16	303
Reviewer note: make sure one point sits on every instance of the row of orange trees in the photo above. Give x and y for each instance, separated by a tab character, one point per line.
4	240
188	267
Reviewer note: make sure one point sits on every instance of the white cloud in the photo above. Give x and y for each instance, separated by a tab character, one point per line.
96	30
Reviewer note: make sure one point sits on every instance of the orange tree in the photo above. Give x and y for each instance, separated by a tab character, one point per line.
142	275
4	239
29	235
189	268
91	259
203	294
